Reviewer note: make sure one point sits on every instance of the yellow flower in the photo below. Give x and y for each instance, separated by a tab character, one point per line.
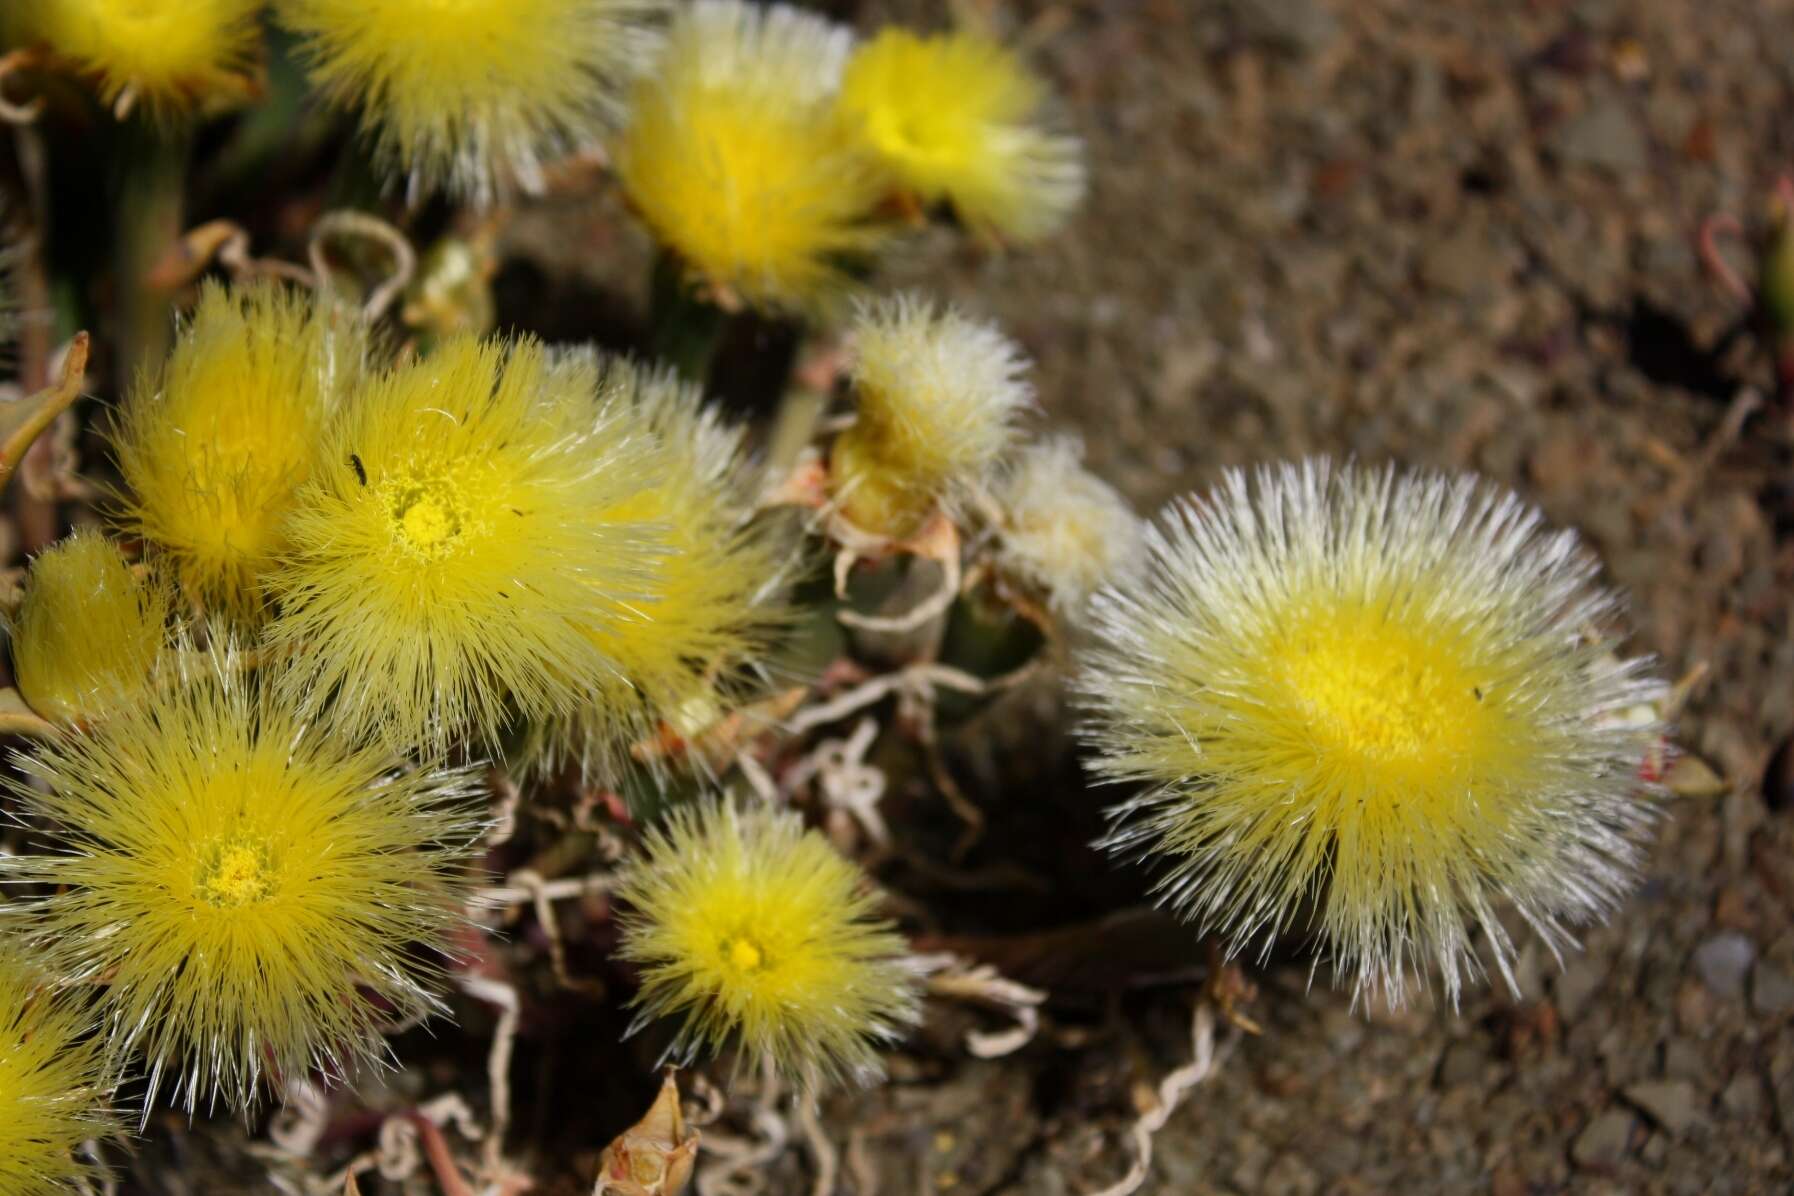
1380	692
245	889
1065	531
444	556
706	607
52	1084
475	95
88	630
735	157
957	117
172	53
936	396
752	931
214	451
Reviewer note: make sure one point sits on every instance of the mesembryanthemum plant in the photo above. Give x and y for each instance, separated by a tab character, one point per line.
446	551
88	630
173	54
752	932
53	1082
960	118
709	602
735	157
937	397
1064	531
250	893
476	97
215	446
1392	695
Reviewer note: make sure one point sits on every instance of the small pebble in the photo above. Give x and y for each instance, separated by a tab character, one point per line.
1672	1104
1580	980
1463	1063
1771	990
1722	962
1601	1144
1743	1097
1682	1060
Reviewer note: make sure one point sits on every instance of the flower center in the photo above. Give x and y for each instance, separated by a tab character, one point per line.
234	872
1378	690
429	516
744	955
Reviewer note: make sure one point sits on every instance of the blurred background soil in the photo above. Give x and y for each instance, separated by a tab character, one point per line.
1456	233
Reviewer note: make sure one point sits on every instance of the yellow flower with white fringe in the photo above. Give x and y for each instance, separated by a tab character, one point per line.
246	890
1385	698
173	54
959	118
88	631
936	400
476	97
1064	531
708	605
215	448
735	157
753	933
53	1083
444	556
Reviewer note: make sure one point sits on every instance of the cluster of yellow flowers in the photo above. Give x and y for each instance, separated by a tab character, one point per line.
347	578
759	143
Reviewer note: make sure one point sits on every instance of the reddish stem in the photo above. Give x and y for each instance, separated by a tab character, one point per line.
442	1162
1711	230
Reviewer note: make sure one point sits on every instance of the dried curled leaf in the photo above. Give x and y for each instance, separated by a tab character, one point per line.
22	422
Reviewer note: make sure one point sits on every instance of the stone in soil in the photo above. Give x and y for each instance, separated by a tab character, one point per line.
1682	1060
1580	980
1603	1142
1743	1097
1771	990
1604	135
1722	962
1672	1104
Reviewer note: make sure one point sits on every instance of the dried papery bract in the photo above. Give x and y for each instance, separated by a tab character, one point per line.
708	605
53	1083
444	556
88	630
1385	693
1065	531
173	54
937	398
214	449
253	896
753	933
653	1157
960	118
734	156
475	97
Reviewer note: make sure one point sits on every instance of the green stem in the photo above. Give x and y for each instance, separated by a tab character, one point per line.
685	328
151	210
